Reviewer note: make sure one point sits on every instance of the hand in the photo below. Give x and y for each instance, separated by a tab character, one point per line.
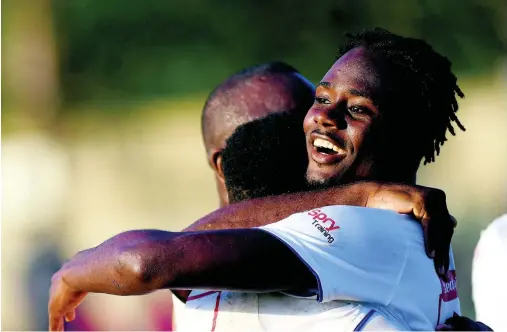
427	205
461	323
63	299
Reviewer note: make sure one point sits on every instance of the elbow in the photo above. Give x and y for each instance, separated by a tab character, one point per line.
136	272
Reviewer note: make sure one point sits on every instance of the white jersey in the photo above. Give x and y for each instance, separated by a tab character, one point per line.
236	311
372	273
489	272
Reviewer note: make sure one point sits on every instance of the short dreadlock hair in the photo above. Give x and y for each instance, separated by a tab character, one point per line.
419	74
266	157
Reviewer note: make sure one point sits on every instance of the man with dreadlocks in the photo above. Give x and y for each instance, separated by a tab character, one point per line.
384	105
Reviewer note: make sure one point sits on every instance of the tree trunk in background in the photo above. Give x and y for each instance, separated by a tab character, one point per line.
30	67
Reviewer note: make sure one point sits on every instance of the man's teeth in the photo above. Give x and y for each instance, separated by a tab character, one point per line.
320	143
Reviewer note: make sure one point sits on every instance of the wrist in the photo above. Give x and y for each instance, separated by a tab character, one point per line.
73	273
66	281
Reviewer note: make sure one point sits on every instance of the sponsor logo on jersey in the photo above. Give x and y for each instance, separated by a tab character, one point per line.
449	287
323	223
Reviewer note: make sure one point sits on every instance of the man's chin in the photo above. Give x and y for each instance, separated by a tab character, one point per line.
320	179
316	183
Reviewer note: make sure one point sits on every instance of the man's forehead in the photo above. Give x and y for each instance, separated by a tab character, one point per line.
263	95
355	67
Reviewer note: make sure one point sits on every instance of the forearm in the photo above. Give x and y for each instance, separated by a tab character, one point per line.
139	262
263	211
235	260
115	266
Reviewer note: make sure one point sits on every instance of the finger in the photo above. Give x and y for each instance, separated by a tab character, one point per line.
441	262
440	237
70	316
420	212
55	323
438	265
429	245
446	248
53	318
440	254
446	261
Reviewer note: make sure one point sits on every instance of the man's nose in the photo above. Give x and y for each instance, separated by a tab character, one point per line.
331	117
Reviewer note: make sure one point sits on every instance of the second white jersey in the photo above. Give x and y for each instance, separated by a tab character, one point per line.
235	311
489	272
372	272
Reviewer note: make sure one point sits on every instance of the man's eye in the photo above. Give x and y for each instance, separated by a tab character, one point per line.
357	110
322	100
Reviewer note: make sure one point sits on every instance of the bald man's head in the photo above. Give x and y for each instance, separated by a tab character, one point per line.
252	94
248	95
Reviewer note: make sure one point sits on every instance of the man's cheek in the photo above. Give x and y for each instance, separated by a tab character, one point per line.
308	121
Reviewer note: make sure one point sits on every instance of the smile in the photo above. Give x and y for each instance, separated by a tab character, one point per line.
326	147
323	151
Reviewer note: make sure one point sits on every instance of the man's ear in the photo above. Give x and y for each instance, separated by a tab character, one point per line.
219	166
215	161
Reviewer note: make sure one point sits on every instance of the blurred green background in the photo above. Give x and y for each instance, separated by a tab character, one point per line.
101	108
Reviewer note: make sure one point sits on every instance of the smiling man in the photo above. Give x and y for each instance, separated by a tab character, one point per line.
379	111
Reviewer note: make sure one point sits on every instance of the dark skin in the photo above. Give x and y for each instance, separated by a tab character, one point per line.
139	262
347	112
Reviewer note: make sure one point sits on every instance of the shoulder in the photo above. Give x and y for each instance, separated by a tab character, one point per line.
493	237
498	228
344	213
350	221
375	222
490	250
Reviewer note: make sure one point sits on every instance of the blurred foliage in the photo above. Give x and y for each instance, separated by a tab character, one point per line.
116	87
133	50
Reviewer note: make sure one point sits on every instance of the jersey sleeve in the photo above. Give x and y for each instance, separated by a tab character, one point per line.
489	272
356	254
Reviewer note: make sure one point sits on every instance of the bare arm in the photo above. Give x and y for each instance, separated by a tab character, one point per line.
263	211
159	259
139	262
427	205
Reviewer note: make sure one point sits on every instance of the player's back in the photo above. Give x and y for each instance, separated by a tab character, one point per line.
374	256
422	298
